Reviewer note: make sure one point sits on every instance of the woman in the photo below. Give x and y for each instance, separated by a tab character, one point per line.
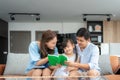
38	51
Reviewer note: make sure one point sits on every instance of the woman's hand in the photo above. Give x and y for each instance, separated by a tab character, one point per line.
54	68
46	58
58	66
42	61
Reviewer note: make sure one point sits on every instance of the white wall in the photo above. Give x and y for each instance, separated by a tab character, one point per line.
105	49
65	27
110	49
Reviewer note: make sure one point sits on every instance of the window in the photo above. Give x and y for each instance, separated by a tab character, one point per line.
19	41
38	35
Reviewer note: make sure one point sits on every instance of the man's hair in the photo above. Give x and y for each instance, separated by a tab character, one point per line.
83	32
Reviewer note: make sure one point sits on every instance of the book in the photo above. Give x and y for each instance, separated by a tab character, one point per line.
56	59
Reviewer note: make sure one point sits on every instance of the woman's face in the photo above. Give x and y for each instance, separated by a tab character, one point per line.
52	43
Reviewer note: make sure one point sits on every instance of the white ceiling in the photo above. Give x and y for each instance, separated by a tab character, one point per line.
59	10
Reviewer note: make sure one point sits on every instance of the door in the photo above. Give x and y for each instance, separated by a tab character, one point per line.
3	49
3	41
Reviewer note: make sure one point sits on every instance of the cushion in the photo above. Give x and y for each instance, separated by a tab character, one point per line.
16	64
114	63
105	65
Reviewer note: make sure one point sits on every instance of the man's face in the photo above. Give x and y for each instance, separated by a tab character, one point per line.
82	42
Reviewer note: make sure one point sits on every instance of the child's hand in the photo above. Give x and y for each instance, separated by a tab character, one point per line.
71	68
69	63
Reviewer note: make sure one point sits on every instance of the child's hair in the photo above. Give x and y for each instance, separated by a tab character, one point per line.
64	44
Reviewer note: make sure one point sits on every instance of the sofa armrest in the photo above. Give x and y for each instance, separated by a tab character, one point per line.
119	62
115	64
118	72
2	68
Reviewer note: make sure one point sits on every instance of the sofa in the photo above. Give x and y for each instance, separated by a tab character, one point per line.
17	63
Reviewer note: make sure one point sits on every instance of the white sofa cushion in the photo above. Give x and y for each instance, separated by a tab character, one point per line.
105	65
16	64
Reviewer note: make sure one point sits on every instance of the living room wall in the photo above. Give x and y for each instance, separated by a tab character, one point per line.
65	27
111	31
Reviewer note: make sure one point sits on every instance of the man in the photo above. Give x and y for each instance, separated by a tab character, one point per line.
88	53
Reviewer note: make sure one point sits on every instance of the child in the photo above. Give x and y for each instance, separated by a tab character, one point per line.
68	46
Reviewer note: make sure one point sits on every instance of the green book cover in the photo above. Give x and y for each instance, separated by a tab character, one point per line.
56	59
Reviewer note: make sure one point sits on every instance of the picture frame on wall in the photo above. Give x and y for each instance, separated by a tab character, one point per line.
95	26
98	28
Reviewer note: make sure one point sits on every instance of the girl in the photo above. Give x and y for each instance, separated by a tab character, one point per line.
68	46
38	51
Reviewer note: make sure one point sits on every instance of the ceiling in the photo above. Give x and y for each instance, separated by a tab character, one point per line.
60	10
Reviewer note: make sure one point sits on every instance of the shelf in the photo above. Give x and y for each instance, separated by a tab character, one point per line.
96	32
97	43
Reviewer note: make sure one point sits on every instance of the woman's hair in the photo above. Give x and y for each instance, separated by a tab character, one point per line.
64	44
46	37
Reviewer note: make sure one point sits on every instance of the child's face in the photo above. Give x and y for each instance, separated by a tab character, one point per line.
69	48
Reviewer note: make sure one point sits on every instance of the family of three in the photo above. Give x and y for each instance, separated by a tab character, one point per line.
82	57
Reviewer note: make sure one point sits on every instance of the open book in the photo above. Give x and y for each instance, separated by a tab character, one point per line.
56	59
